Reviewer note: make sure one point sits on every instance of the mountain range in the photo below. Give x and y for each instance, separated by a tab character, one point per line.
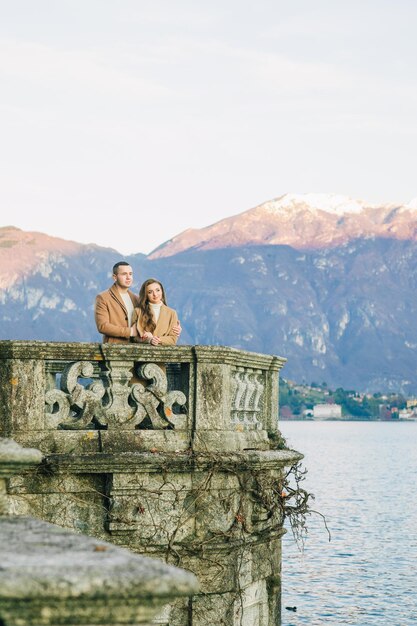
308	221
326	281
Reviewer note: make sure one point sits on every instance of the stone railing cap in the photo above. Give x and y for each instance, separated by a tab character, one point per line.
39	559
21	349
14	457
75	351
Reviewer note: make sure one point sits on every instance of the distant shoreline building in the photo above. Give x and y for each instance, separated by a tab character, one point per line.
327	411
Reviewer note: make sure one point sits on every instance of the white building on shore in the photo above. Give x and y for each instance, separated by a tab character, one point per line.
327	411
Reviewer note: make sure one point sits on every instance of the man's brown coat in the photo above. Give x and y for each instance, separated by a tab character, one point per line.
111	315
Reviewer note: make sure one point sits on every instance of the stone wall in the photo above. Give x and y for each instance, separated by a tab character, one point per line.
167	451
51	576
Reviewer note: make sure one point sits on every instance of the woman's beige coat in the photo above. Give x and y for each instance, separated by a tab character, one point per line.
168	318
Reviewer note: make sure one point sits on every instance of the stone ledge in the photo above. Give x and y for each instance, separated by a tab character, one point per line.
128	462
104	441
49	575
229	441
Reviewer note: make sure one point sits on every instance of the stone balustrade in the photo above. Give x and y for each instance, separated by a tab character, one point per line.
203	396
169	451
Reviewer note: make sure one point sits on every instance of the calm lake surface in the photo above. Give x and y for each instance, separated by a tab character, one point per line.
364	477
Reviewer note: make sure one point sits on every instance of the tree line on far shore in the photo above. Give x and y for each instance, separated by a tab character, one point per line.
302	397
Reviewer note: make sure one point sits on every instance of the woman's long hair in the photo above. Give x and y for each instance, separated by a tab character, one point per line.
146	319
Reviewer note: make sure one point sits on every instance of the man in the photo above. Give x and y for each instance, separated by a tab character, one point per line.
114	308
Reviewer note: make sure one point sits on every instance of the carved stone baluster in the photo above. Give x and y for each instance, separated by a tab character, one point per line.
233	392
259	390
247	391
241	390
118	410
250	390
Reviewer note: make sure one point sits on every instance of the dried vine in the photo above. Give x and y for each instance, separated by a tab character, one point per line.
296	504
295	500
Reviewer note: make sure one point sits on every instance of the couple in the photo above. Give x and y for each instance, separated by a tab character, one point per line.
121	316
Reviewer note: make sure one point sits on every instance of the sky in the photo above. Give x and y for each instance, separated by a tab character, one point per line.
125	123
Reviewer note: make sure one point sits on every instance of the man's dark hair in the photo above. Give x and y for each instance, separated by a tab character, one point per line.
117	265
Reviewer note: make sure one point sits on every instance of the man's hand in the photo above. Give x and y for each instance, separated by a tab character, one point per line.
155	341
177	329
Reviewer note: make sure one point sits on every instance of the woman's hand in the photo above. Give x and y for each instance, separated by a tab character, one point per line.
177	329
155	341
147	336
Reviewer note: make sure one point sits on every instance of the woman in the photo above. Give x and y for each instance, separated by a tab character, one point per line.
157	323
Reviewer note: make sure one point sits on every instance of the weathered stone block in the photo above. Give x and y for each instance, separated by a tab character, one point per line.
82	512
252	607
60	441
145	440
230	440
266	558
157	507
212	397
22	396
46	482
24	504
217	503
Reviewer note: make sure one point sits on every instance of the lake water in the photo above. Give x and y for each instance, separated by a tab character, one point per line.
364	477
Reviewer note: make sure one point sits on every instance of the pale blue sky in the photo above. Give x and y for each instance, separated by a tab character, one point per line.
124	123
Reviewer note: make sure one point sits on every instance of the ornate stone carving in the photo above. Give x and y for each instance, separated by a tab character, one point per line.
76	406
156	396
247	388
112	402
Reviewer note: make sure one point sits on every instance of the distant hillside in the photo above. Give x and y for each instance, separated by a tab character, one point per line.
47	286
341	314
345	315
22	253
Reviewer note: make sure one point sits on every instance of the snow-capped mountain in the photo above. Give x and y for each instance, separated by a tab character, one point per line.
331	203
344	314
308	221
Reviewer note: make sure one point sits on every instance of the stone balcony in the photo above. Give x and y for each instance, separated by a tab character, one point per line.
171	452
